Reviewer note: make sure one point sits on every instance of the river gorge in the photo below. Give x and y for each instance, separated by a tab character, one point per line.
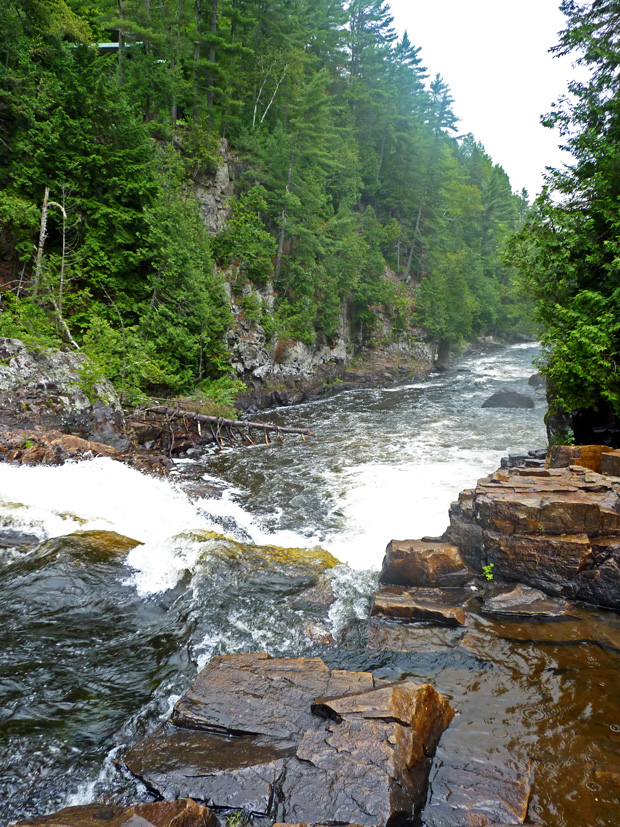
98	647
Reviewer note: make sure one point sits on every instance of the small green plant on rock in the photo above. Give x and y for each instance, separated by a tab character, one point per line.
488	571
236	819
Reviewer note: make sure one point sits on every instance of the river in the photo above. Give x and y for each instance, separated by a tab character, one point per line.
97	648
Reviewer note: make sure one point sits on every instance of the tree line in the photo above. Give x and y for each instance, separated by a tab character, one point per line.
569	246
354	196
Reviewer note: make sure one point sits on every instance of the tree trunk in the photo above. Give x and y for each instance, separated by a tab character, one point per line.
197	55
211	80
283	216
121	45
42	236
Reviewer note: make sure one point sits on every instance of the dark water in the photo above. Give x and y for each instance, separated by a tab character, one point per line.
97	645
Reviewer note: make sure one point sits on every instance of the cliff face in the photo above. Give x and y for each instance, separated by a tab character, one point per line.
280	371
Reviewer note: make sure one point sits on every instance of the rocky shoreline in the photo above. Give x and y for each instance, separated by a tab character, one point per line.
257	740
293	741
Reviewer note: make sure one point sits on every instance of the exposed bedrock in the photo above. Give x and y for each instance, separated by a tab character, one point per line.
556	529
296	741
58	391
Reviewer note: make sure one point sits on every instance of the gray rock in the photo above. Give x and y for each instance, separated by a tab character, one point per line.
507	398
473	789
295	741
57	391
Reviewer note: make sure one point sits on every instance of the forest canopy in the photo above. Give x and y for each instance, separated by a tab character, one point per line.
569	247
355	197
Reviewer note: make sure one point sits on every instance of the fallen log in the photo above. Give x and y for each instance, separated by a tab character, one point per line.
267	427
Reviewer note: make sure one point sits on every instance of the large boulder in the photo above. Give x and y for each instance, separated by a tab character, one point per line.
292	740
57	391
507	398
556	529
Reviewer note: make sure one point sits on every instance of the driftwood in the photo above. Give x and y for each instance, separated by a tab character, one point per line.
221	430
176	413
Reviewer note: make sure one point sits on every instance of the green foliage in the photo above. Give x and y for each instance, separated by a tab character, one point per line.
568	248
488	571
352	197
244	241
25	319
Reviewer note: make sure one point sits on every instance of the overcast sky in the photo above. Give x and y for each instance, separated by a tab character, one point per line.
494	56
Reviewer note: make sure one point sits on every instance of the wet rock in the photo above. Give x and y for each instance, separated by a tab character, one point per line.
184	813
399	637
262	695
94	546
472	790
506	398
431	605
418	563
239	772
555	529
552	563
523	601
320	595
293	740
586	456
537	380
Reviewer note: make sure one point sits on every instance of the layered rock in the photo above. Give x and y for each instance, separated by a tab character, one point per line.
556	529
186	813
295	741
423	563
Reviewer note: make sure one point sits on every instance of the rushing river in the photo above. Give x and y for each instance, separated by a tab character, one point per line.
97	647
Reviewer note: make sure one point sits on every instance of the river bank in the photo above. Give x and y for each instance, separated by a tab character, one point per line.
87	679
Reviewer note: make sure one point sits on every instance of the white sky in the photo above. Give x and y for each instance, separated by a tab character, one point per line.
494	56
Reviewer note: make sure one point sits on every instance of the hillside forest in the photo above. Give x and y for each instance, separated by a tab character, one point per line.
355	195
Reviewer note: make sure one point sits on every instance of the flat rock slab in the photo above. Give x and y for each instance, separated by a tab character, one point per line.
257	694
184	813
420	563
525	602
400	637
293	740
441	606
472	791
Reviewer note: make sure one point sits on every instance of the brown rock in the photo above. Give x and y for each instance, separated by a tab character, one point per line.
432	605
48	447
95	546
586	456
400	637
556	529
262	738
552	563
610	464
418	563
184	813
523	601
262	695
472	791
240	772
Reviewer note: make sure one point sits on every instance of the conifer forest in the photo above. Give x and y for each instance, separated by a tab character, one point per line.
355	194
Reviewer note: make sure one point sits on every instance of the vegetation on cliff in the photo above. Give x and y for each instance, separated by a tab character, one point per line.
569	247
352	192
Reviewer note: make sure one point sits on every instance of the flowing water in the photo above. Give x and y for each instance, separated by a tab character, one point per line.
98	644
